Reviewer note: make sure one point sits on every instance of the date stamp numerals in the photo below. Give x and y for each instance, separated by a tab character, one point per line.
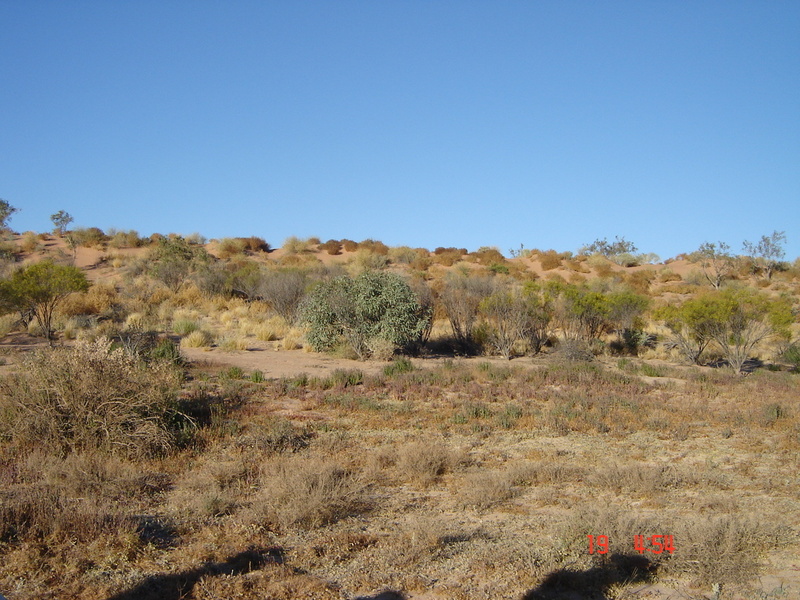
598	544
656	544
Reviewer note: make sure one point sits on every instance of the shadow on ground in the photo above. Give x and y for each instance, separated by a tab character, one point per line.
387	595
175	586
594	583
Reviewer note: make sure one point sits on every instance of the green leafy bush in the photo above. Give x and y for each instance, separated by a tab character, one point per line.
365	312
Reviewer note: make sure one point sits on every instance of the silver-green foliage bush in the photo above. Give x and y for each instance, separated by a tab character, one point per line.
365	312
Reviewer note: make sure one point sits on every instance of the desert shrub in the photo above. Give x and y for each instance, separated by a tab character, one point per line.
447	257
421	263
484	490
229	247
283	290
332	247
196	239
93	398
255	244
397	367
424	462
405	255
88	237
124	239
640	281
442	250
506	313
575	350
29	242
42	510
576	265
173	260
349	245
8	323
165	350
792	356
369	260
461	298
373	306
100	299
488	256
549	260
308	492
374	246
667	275
737	320
580	312
294	245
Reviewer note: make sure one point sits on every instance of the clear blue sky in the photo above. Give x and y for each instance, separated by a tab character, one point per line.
416	122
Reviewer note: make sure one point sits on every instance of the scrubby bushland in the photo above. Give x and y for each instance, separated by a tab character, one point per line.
125	239
88	237
372	313
581	313
91	397
742	318
689	325
620	251
737	320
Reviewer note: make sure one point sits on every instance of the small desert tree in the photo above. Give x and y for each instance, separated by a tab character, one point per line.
374	311
539	311
768	252
506	312
625	309
742	318
716	262
40	288
61	221
461	297
582	314
689	325
6	210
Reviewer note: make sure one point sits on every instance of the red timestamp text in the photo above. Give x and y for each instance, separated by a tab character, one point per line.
656	544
